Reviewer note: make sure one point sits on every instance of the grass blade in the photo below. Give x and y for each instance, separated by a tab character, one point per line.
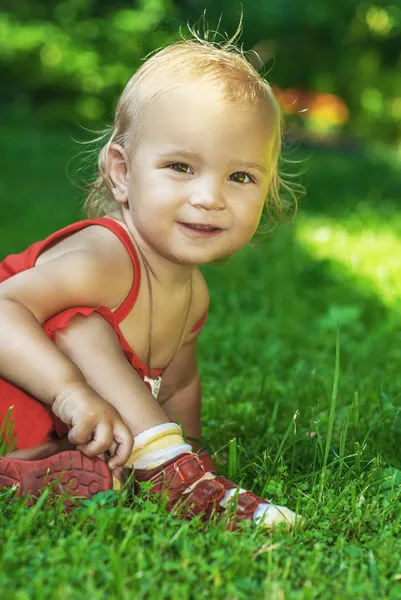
232	458
330	425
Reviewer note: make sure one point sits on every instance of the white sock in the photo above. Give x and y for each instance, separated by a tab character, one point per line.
157	445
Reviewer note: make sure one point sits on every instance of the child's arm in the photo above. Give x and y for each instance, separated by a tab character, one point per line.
93	346
109	373
31	361
180	392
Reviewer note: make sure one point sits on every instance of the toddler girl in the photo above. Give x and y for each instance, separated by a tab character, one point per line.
100	321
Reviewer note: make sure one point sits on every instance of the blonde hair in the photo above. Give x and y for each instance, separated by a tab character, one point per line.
224	64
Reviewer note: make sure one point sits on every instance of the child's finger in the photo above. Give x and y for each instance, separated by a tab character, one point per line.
102	440
80	433
124	444
118	473
113	448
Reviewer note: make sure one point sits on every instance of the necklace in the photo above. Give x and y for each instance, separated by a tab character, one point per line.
155	382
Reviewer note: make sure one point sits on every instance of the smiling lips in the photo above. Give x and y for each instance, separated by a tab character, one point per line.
201	227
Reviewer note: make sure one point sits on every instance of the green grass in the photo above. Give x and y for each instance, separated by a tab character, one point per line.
267	358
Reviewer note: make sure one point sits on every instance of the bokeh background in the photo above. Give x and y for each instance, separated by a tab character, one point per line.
335	63
334	66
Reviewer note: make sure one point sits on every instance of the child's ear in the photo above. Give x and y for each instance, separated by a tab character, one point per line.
118	172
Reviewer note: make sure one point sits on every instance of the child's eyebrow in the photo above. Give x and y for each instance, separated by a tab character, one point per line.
254	166
195	156
184	153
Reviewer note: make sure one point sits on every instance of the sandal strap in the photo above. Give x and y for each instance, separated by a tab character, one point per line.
247	504
175	476
205	498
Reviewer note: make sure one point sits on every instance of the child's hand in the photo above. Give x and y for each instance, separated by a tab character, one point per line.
96	426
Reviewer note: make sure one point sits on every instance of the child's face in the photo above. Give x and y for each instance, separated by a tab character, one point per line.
201	161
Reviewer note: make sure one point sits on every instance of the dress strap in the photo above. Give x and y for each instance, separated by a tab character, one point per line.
200	323
124	309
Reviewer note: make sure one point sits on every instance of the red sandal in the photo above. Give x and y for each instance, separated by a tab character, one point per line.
71	472
174	477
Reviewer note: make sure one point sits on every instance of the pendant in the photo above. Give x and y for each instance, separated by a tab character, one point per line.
154	383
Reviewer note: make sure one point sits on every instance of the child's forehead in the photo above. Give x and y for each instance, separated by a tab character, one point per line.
201	108
210	95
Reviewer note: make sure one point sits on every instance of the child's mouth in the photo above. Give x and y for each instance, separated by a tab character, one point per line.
199	229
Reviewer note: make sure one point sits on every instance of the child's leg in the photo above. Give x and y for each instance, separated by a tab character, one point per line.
190	481
69	472
32	421
157	443
44	450
38	458
160	451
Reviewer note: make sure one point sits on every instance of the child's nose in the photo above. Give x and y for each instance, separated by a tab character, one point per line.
209	196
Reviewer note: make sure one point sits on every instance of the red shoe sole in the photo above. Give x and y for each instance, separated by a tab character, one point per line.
69	472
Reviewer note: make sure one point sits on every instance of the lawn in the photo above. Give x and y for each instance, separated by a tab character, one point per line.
270	417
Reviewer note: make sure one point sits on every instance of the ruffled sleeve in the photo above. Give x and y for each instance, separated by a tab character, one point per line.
61	320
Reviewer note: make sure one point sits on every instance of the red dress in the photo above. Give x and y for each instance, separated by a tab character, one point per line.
34	422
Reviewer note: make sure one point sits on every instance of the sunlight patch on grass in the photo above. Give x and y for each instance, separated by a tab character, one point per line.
370	251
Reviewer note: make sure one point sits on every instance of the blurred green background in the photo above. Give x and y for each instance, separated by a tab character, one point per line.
334	63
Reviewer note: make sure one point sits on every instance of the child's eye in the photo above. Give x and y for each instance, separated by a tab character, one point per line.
180	167
241	177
